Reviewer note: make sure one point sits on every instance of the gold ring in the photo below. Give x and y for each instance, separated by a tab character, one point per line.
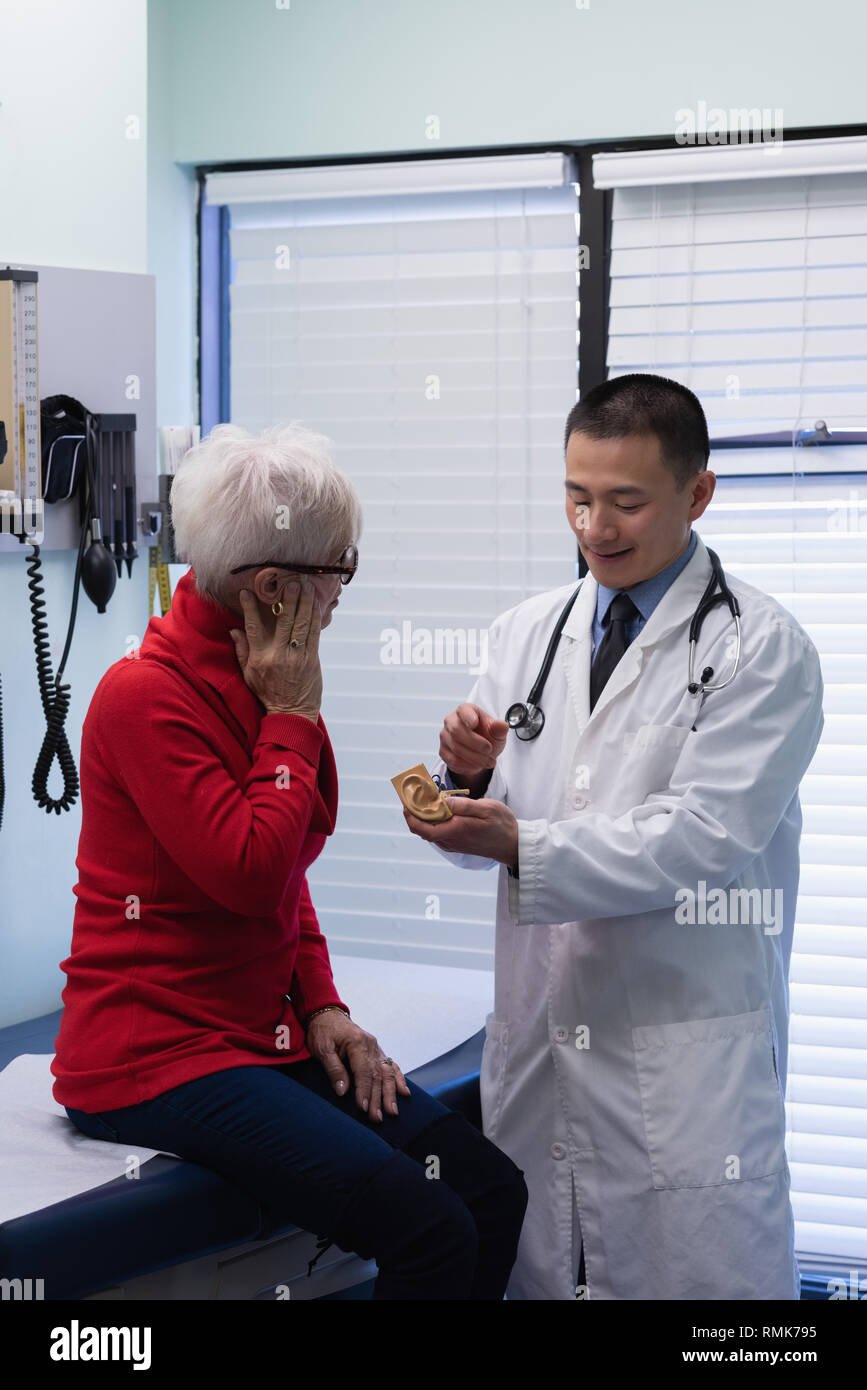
277	608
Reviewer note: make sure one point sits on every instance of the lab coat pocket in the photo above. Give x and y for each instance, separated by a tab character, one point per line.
492	1079
712	1106
649	756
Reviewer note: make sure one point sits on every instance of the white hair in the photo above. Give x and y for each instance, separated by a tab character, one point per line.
239	497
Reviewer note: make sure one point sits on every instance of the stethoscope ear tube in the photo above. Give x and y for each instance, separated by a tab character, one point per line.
539	684
709	600
696	687
528	719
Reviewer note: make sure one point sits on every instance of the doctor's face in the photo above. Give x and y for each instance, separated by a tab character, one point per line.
624	507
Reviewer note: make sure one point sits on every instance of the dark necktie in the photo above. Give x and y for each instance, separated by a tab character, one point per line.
613	644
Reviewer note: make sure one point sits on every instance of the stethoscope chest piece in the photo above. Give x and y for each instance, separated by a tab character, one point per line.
527	720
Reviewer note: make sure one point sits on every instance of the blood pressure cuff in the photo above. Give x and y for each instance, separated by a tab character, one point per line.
63	423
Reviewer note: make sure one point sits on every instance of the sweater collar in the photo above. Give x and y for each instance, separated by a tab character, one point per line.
194	638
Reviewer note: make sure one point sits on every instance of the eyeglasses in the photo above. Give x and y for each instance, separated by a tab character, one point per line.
346	566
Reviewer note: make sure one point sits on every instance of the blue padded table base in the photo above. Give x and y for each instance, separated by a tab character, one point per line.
176	1211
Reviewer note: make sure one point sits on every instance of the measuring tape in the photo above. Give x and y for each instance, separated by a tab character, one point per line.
158	575
21	471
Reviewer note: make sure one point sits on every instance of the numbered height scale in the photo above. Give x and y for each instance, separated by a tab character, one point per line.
20	460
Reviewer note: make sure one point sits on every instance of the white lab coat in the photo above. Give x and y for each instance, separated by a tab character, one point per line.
656	1135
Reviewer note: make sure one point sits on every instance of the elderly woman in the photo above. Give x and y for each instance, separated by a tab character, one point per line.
201	1016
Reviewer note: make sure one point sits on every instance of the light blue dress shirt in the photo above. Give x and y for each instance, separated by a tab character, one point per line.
645	596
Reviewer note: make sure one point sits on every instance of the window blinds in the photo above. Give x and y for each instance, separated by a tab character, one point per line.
795	539
754	294
425	321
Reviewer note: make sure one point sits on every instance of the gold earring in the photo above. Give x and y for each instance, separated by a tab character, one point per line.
277	608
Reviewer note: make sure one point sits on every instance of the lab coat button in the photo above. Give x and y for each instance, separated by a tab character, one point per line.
561	1034
558	1150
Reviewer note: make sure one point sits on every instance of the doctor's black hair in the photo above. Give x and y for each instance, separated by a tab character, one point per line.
639	403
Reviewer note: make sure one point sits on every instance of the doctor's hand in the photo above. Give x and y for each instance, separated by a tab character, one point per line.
485	827
471	741
331	1037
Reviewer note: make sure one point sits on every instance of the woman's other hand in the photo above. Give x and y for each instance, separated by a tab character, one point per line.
332	1037
286	679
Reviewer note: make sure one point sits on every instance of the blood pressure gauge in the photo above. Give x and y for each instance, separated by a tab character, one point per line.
20	458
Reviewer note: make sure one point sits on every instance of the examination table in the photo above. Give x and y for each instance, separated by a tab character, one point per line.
181	1231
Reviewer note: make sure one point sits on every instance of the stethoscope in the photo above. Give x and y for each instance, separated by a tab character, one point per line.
528	719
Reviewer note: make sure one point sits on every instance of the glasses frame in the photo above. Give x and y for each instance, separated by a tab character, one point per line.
343	570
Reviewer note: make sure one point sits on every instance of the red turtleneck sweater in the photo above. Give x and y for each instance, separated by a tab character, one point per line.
195	945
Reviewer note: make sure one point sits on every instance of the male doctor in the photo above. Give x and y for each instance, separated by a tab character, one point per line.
647	840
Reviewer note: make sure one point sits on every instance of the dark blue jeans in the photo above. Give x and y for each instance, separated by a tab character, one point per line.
312	1157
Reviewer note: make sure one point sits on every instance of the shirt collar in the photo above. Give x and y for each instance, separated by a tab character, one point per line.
647	594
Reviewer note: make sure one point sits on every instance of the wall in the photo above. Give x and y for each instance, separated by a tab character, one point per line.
331	77
73	133
74	193
171	225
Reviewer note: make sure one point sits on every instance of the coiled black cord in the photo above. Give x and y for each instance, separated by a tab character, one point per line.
55	696
55	699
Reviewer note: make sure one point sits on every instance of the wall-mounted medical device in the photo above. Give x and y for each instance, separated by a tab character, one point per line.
56	450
